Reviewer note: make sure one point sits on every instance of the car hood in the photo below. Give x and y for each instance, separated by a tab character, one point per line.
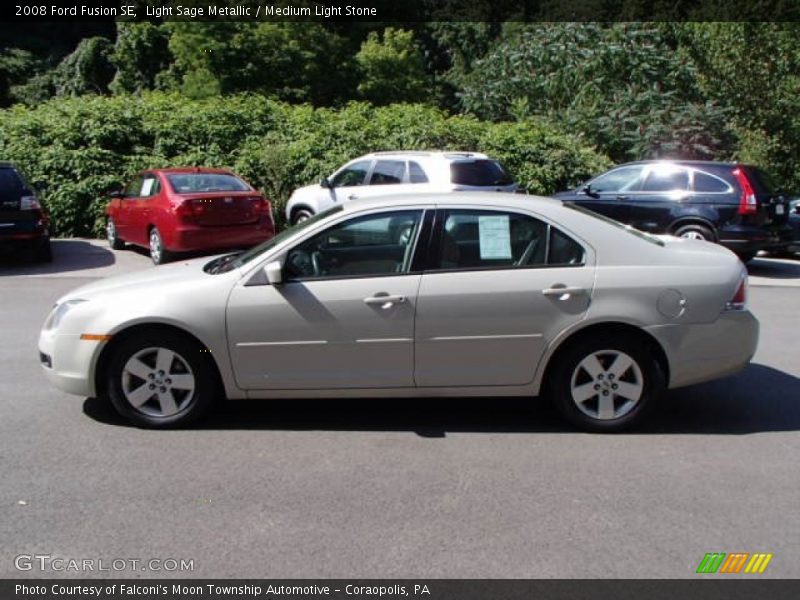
177	274
306	190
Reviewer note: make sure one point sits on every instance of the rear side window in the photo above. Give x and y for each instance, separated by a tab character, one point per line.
11	185
666	179
705	183
478	173
388	172
416	174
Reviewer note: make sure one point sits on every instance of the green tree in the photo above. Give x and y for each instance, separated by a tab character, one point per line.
141	52
392	68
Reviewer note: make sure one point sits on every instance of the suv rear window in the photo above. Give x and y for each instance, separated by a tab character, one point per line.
478	173
189	183
11	185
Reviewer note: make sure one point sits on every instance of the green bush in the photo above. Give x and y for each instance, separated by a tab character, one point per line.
75	149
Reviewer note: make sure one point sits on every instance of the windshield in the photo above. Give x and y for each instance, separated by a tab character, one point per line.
632	230
234	261
190	183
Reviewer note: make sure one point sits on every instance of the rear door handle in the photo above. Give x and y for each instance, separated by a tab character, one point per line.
384	300
563	292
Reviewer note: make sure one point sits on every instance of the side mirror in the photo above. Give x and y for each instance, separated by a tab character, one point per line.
587	189
274	272
325	183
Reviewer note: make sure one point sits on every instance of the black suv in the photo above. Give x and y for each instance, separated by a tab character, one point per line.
732	204
24	225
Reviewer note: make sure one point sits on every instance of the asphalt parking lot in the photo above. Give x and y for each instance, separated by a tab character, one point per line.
479	488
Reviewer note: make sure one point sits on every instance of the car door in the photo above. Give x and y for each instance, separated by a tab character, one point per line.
127	203
653	206
500	287
342	318
347	183
609	194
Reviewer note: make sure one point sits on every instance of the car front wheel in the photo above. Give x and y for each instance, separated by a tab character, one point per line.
160	380
606	385
113	238
695	232
301	215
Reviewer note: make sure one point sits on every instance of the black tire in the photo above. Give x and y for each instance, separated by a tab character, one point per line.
190	406
649	378
114	241
162	255
301	214
696	231
45	251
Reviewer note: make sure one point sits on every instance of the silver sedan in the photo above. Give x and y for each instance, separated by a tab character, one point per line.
450	295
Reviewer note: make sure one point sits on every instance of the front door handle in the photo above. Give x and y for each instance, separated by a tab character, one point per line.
352	197
384	300
563	292
623	197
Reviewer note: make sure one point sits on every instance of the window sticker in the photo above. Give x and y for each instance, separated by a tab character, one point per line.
147	186
495	236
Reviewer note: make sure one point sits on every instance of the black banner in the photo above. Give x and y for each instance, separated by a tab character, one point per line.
430	589
400	11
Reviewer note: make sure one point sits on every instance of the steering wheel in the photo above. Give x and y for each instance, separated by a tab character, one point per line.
300	263
315	263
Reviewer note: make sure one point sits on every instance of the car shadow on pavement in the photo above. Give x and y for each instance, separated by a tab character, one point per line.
774	268
68	255
759	399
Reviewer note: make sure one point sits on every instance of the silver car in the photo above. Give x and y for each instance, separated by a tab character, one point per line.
440	295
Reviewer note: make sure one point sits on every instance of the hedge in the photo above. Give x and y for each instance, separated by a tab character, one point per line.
75	149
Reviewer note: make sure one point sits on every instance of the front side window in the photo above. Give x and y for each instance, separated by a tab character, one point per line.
351	176
473	239
388	172
624	179
379	244
134	188
666	178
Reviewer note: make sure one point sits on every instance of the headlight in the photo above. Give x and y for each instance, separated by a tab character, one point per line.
59	311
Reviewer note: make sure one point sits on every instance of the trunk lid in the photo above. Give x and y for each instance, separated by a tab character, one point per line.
215	209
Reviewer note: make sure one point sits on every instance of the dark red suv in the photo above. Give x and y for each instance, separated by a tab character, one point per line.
188	209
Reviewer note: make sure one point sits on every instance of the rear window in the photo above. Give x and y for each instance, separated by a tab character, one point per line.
761	181
11	185
189	183
479	173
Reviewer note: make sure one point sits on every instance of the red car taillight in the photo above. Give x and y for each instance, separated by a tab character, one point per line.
747	202
184	211
739	300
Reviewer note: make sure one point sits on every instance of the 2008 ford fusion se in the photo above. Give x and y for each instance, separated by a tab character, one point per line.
441	295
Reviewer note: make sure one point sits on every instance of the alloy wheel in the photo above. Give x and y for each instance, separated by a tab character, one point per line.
158	382
155	246
607	384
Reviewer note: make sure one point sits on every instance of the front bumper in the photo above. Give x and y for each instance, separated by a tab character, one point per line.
71	362
702	352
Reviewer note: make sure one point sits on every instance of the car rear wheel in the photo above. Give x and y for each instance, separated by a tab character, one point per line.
695	231
160	380
301	215
113	238
606	385
158	253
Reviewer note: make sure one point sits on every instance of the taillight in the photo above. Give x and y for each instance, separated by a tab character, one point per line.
184	210
29	203
739	300
747	201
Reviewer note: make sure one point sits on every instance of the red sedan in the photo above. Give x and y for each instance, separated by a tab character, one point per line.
191	209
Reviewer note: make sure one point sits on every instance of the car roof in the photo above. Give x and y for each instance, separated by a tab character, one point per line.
476	199
188	170
441	154
680	161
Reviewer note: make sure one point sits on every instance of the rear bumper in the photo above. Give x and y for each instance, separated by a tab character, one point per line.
744	239
702	352
194	237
